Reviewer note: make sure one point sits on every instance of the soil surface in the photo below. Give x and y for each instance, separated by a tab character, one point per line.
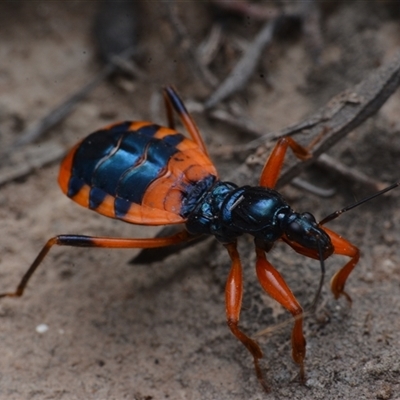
158	331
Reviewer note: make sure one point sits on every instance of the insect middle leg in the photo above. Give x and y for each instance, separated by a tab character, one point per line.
274	284
273	166
91	241
233	302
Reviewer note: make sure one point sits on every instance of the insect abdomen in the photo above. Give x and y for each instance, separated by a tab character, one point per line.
132	169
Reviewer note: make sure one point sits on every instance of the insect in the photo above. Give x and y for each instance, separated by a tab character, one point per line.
142	173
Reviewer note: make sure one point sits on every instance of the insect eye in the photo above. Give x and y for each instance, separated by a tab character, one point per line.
309	217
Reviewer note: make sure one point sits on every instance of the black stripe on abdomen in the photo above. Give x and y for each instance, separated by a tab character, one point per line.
134	183
121	163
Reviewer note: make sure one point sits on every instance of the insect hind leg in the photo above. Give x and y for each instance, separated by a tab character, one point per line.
92	241
174	102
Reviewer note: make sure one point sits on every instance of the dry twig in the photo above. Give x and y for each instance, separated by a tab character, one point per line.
243	70
25	160
332	122
262	12
61	111
329	163
311	16
183	39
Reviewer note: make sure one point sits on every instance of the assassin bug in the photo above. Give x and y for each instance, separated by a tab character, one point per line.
146	174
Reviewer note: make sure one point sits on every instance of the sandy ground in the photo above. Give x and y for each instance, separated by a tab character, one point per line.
158	331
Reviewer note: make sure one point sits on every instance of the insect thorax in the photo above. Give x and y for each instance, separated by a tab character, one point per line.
228	211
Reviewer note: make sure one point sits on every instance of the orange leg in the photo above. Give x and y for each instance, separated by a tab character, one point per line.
340	246
273	283
233	302
343	247
90	241
174	102
273	166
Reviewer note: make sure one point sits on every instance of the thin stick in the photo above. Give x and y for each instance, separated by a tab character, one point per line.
25	160
331	123
183	38
61	111
244	69
331	164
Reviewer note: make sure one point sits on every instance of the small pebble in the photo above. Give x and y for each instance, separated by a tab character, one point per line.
42	328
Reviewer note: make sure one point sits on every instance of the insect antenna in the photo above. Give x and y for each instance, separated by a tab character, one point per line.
336	214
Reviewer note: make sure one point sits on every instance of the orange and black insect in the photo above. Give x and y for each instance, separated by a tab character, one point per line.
143	173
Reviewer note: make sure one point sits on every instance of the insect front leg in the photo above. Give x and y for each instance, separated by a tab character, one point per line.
345	248
273	166
340	246
233	302
91	241
273	283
